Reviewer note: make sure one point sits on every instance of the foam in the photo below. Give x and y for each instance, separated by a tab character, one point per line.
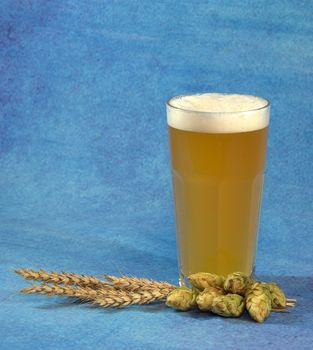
218	113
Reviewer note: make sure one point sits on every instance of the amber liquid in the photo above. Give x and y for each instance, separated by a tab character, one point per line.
217	181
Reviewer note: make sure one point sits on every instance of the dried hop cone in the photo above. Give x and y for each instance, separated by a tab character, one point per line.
258	301
205	298
237	283
202	280
230	305
278	297
182	298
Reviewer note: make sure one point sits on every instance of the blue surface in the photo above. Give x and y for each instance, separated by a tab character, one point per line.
84	164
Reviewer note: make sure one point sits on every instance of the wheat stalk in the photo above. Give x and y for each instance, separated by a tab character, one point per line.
106	297
61	278
135	284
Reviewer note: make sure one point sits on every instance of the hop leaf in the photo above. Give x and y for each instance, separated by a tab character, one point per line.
278	297
182	298
230	305
258	301
237	283
202	280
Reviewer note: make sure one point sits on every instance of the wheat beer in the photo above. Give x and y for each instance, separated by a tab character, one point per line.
218	148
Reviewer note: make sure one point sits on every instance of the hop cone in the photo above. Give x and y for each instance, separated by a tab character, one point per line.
258	301
278	297
230	305
237	283
205	299
181	298
202	280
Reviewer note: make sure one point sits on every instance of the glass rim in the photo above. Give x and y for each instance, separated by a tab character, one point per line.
169	104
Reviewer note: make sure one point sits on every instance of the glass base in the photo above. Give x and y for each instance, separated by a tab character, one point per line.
183	280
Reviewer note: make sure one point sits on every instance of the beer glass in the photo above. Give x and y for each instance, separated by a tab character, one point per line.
218	149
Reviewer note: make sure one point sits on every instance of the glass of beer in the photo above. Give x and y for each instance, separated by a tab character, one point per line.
218	148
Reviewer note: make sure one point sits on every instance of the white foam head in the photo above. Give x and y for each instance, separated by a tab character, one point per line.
218	113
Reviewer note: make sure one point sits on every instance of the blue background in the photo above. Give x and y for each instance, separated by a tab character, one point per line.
84	164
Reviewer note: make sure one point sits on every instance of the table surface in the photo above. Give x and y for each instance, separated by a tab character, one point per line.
31	321
85	182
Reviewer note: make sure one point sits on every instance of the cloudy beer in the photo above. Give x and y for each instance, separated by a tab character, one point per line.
218	147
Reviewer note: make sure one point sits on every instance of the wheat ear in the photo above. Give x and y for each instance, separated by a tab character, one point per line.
127	298
106	297
61	278
135	284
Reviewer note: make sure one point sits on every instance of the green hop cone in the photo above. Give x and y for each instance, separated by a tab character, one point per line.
230	305
258	301
182	298
205	298
202	280
278	297
237	283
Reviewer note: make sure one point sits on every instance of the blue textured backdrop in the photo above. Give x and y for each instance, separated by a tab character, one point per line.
84	164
